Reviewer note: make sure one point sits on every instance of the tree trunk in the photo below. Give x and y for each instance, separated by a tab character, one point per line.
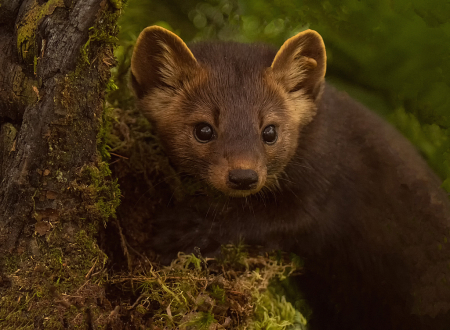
55	190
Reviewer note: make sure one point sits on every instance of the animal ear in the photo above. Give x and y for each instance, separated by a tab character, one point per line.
300	64
160	59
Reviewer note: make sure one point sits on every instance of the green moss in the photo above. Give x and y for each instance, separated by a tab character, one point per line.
274	312
26	44
90	247
17	319
103	32
10	263
59	175
103	134
111	86
84	58
55	258
52	324
194	261
234	256
216	294
14	312
201	321
58	284
103	192
65	273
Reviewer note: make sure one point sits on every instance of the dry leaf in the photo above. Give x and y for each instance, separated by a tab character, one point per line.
41	228
51	194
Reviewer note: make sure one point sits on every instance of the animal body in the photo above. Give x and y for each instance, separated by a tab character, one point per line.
298	166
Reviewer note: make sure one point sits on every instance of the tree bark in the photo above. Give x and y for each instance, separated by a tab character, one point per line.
55	190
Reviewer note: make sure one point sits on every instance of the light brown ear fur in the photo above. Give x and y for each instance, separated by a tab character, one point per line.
301	63
160	59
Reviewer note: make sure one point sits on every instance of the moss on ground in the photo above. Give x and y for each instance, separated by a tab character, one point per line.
219	293
56	285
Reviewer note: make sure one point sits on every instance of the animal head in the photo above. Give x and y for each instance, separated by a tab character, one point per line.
230	114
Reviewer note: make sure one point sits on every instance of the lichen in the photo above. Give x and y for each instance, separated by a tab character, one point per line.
26	31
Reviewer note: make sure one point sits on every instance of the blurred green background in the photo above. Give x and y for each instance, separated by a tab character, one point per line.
392	55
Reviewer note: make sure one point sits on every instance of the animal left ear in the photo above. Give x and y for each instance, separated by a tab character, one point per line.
161	60
300	64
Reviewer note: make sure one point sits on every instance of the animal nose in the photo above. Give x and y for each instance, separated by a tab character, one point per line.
242	179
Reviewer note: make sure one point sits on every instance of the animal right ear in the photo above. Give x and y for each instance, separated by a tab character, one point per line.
160	59
300	64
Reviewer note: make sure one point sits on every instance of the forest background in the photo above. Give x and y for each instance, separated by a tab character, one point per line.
391	55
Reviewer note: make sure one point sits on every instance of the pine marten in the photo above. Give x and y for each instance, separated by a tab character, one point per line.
301	167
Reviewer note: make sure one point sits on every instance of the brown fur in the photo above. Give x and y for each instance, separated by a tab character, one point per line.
340	187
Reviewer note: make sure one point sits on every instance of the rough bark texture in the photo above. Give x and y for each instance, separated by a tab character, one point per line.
54	68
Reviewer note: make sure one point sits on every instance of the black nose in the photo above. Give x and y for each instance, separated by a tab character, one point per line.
242	179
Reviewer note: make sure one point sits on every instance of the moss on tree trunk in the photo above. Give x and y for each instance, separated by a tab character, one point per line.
56	189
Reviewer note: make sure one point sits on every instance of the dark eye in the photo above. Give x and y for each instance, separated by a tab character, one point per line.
203	132
269	134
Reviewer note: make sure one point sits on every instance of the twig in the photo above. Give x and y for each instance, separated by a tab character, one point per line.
82	286
124	244
112	153
137	301
91	270
135	251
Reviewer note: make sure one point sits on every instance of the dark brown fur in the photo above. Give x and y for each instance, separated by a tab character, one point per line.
340	187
